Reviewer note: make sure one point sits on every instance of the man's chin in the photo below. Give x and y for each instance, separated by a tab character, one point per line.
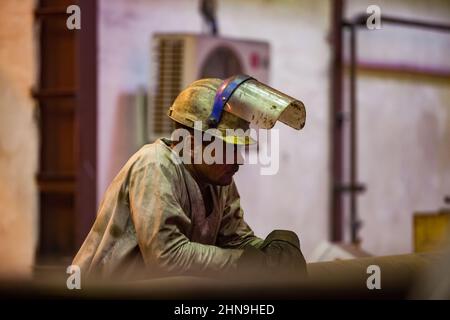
225	180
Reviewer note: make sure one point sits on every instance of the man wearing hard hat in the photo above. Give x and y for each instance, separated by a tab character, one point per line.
164	215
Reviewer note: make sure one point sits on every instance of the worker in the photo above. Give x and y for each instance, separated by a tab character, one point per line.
162	216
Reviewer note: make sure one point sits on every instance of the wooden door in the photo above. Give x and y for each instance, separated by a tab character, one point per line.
66	98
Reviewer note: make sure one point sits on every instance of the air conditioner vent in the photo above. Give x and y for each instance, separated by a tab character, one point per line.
169	62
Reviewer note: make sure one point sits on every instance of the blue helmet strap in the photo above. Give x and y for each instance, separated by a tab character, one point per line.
223	94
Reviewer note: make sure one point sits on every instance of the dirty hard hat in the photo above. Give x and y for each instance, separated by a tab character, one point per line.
233	104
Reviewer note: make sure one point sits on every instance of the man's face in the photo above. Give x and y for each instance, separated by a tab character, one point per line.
220	172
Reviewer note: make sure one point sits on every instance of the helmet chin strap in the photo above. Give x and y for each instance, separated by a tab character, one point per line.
223	94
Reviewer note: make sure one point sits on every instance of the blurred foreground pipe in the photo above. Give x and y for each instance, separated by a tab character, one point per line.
327	280
349	277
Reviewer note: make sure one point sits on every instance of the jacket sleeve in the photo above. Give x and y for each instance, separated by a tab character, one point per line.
234	231
162	226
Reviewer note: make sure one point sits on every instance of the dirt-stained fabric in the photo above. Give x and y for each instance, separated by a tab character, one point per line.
152	218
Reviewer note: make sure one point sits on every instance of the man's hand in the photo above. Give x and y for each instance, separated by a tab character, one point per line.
282	248
280	258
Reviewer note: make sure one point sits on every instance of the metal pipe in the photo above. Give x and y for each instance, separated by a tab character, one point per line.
336	130
403	69
354	223
360	21
334	279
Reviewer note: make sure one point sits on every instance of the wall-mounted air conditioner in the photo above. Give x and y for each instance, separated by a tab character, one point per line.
180	59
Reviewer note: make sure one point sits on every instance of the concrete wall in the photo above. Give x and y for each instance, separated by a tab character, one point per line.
404	125
18	139
296	198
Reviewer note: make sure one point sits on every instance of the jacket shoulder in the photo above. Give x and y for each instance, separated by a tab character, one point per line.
157	156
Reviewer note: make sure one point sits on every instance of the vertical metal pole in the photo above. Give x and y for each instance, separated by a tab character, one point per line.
336	132
353	139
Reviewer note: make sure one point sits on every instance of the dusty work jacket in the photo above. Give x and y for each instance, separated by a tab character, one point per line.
152	218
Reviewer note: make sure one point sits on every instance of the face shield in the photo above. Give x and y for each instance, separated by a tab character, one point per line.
257	103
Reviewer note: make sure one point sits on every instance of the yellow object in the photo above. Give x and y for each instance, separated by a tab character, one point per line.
430	230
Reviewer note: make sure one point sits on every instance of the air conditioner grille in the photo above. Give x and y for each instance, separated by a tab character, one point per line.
169	61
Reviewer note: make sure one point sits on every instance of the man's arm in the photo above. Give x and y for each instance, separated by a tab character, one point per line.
278	255
234	231
161	226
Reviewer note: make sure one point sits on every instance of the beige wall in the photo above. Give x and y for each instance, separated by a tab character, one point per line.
18	139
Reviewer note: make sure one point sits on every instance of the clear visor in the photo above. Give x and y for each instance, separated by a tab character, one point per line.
263	106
